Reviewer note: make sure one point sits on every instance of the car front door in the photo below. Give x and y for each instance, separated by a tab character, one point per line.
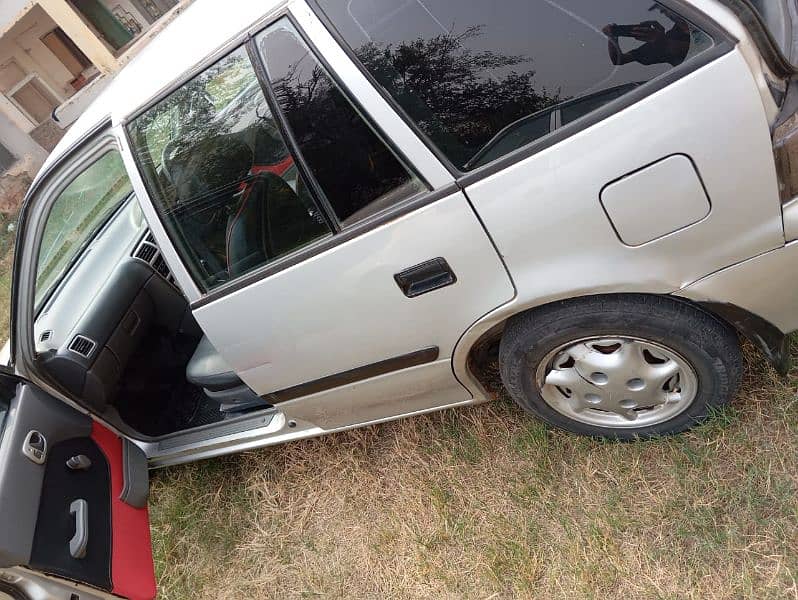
331	260
73	503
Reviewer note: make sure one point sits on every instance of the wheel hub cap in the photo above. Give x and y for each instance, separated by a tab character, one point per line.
617	382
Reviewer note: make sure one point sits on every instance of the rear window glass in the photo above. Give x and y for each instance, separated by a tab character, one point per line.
221	176
359	174
481	78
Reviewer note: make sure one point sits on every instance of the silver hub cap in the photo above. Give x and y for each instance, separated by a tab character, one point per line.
616	382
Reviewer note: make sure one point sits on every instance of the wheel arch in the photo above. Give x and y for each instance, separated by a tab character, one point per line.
769	339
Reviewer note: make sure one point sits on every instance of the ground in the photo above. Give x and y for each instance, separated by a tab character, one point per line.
486	502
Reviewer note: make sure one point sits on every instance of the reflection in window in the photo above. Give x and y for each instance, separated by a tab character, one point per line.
482	79
357	172
221	176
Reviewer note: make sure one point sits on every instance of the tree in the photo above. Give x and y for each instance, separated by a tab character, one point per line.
459	98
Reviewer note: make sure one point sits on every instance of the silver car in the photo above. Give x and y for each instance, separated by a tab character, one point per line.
286	219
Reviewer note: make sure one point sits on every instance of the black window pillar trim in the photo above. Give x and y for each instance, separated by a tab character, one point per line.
288	136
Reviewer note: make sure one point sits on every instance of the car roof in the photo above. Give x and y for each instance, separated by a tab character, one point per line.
202	29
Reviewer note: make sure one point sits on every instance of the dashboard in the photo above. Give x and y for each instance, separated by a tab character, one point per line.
62	311
116	293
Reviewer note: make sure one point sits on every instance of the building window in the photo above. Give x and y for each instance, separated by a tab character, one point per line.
34	98
104	21
66	51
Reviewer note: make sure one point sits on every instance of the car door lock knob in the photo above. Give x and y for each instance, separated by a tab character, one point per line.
81	462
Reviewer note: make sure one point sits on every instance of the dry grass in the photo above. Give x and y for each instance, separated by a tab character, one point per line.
488	503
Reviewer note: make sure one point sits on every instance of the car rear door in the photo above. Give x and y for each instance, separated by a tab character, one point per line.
73	503
376	262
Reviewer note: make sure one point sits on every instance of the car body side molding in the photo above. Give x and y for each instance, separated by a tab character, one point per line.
413	359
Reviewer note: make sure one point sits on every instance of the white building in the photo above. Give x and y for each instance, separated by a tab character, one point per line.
55	57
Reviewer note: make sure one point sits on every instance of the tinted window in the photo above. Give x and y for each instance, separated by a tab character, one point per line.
77	215
357	172
467	71
221	176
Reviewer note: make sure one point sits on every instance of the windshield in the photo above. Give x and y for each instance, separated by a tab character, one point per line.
76	216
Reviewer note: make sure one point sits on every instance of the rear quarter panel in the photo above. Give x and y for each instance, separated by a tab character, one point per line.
545	216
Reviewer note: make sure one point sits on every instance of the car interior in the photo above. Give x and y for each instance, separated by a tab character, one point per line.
112	326
118	334
114	329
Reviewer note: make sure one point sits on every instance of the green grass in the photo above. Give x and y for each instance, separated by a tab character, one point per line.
486	502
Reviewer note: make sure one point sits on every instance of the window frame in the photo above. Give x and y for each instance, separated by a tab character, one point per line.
248	49
723	44
197	295
33	216
91	159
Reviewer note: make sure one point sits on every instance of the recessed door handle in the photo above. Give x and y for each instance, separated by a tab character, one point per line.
35	447
79	541
426	277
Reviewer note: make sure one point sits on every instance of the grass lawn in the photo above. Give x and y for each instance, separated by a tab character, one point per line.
488	503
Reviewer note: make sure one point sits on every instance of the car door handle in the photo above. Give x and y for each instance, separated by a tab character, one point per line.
35	447
426	277
79	541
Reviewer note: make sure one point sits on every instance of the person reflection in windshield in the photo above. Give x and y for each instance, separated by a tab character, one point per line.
659	47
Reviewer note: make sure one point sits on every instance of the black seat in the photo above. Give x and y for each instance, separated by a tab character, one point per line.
209	370
271	220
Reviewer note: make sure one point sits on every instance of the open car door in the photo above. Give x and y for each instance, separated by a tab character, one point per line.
73	503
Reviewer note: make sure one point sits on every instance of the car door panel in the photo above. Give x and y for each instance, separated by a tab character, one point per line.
408	391
21	480
39	503
56	526
343	309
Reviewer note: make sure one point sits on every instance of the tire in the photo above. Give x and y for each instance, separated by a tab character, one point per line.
627	334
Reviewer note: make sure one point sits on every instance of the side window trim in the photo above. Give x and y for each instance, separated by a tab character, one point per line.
178	268
319	56
288	136
371	100
35	212
723	44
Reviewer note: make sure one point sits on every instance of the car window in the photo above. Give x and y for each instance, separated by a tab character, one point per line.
776	17
358	173
221	176
78	213
465	72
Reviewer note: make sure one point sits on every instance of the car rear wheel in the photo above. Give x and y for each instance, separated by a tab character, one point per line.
623	367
